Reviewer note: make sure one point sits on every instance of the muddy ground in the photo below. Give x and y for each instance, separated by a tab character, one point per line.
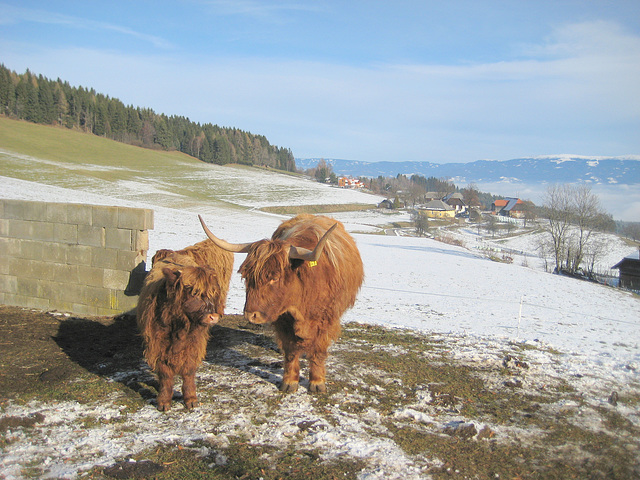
400	405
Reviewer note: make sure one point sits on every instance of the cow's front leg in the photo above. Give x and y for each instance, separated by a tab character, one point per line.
165	390
317	372
189	390
291	376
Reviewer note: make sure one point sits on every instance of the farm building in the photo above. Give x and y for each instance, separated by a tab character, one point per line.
509	207
629	268
437	209
455	200
348	182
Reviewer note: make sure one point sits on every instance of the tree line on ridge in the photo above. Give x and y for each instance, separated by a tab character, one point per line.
37	99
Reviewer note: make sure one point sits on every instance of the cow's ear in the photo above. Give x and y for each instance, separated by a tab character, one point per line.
172	276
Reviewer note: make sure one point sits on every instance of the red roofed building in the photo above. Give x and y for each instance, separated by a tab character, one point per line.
509	207
348	182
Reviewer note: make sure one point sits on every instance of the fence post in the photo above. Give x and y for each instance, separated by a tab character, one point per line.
519	316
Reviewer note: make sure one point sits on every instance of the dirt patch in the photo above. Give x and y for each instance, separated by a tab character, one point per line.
77	398
48	348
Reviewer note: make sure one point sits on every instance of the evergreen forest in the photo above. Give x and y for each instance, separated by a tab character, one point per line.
37	99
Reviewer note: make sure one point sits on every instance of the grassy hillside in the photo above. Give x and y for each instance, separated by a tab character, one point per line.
64	145
79	161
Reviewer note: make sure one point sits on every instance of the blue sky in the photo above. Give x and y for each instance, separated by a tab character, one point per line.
440	81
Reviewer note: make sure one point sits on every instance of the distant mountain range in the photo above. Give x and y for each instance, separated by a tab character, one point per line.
543	169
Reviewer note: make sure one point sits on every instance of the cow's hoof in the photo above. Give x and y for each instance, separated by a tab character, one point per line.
289	387
164	406
317	388
191	403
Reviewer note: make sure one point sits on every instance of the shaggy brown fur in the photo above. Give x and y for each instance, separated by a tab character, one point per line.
183	295
304	301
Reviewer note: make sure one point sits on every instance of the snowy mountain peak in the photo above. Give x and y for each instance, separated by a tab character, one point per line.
564	168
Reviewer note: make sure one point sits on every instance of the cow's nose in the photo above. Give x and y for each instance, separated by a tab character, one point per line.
255	317
211	319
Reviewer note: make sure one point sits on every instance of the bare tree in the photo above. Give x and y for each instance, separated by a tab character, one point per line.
557	203
574	215
420	222
586	212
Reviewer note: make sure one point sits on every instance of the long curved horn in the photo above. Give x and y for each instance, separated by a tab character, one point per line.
229	247
311	255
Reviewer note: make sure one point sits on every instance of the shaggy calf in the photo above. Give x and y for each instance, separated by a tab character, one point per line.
302	281
183	295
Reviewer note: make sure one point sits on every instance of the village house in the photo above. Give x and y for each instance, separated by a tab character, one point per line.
629	268
455	200
509	207
437	209
386	204
433	196
348	182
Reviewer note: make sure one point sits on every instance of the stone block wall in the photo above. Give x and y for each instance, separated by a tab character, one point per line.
84	259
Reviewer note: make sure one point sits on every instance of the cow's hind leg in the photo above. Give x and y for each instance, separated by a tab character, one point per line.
317	372
189	390
165	390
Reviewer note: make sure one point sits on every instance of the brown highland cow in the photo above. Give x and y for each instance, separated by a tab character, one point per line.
183	295
302	281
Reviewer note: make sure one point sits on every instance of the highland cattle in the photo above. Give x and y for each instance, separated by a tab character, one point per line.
183	295
301	281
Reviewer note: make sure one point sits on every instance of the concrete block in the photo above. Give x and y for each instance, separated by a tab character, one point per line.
27	302
21	267
63	273
115	279
4	264
127	260
22	229
91	236
31	230
10	246
46	252
39	303
56	212
27	286
104	216
131	218
4	227
24	210
15	265
84	295
104	257
8	284
141	240
65	233
96	297
80	309
78	254
90	276
125	302
78	214
118	238
149	219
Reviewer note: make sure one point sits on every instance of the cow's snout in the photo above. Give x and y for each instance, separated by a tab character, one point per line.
211	319
255	317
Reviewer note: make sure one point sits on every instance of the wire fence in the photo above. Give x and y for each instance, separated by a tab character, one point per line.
520	302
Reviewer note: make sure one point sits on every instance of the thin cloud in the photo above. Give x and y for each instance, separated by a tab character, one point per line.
15	15
275	12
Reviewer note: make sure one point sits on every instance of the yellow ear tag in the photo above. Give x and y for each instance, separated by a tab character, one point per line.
313	264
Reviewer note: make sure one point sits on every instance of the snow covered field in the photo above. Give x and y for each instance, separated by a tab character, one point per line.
409	282
415	283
